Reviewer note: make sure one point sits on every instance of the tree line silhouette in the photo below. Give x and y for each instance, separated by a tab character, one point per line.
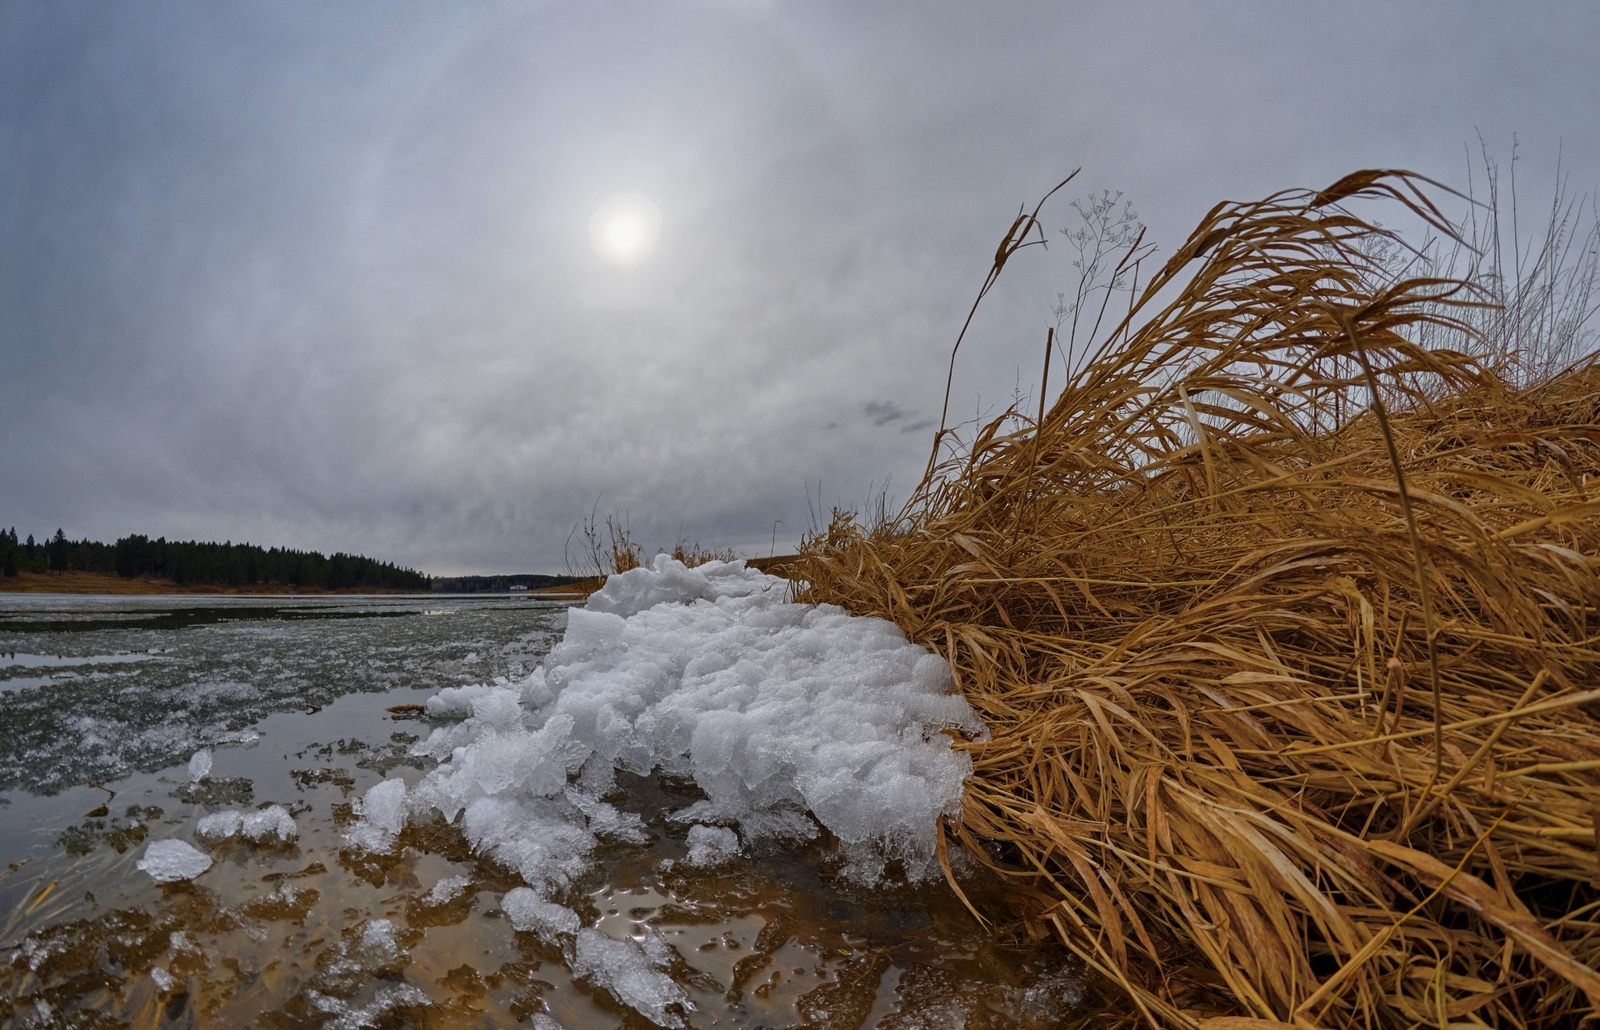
204	564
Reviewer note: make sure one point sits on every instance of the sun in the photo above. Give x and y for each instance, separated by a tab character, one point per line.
624	229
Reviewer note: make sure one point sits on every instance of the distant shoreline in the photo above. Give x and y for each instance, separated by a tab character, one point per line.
102	583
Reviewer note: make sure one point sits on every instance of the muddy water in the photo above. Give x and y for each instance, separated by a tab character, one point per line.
310	933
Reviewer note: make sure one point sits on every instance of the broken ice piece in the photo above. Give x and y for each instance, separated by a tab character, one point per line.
530	913
711	845
383	815
168	861
448	890
632	973
259	826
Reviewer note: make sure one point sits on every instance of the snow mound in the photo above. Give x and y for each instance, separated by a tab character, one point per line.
779	712
200	765
168	861
668	581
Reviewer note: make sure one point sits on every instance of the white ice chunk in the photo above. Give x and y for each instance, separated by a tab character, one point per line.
383	815
609	821
530	913
779	825
712	845
632	974
272	821
543	840
668	581
219	825
448	889
378	945
200	765
168	861
164	980
387	999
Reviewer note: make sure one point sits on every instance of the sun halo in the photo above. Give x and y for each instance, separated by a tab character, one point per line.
624	229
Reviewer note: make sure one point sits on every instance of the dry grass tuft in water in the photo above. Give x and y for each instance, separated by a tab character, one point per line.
614	550
1295	697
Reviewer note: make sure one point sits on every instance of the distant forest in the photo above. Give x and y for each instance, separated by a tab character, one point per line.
204	564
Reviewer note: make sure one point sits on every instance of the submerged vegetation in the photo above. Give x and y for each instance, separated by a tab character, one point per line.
1283	616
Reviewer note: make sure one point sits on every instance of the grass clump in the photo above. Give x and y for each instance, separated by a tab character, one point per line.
1287	630
613	549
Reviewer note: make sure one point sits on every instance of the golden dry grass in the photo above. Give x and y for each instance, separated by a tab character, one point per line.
1294	697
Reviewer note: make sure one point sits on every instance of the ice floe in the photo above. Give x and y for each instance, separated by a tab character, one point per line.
168	861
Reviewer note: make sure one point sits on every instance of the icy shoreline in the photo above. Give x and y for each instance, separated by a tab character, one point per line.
786	716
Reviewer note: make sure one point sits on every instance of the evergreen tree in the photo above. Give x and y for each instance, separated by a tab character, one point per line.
59	549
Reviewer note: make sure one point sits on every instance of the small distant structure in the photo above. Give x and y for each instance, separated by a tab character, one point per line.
520	583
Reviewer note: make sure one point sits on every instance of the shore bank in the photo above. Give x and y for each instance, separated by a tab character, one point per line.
101	583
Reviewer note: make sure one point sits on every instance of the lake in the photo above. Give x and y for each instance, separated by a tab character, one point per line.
305	703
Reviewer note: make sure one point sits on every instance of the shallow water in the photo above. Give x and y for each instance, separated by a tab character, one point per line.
93	688
303	703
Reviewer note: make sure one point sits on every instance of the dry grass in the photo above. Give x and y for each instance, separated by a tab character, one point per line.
614	549
1287	630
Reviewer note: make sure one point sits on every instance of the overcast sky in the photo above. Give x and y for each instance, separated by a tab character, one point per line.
325	275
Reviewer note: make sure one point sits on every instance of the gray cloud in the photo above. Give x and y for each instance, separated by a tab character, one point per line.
319	275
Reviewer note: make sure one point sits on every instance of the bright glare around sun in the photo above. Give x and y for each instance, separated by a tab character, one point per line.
624	229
